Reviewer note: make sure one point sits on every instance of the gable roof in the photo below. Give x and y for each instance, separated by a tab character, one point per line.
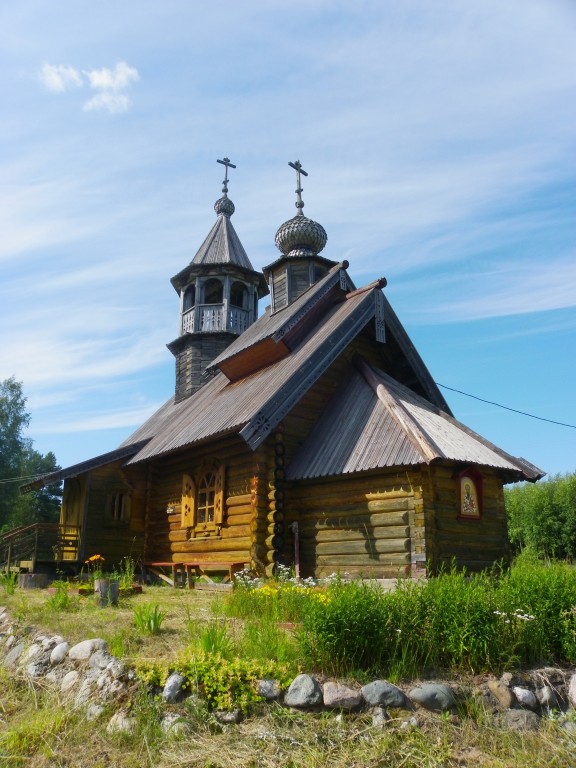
374	422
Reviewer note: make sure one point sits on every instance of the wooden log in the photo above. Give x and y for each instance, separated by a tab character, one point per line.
374	534
234	520
369	548
239	511
391	505
345	561
210	545
308	523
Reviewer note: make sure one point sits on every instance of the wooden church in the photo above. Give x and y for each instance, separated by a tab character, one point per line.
312	435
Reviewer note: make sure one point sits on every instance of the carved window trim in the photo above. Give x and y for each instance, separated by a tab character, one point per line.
202	510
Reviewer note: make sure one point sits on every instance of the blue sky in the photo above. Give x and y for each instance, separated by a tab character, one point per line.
439	137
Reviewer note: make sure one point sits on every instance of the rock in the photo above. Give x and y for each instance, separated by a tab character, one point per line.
572	690
569	726
34	650
116	669
412	722
304	691
547	697
501	693
269	690
59	653
100	659
121	723
173	687
434	696
521	720
51	642
525	698
382	693
69	681
229	718
338	696
14	654
379	717
82	651
94	711
37	669
173	724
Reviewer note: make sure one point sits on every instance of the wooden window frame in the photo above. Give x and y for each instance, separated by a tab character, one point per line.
118	508
193	490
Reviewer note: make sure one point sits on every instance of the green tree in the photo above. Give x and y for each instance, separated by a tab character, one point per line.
542	517
18	459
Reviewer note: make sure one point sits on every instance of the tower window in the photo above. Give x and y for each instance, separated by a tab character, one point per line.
213	291
189	298
239	295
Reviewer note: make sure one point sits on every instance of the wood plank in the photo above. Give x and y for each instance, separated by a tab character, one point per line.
368	547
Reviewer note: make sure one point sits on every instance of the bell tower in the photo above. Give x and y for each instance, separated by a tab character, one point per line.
219	292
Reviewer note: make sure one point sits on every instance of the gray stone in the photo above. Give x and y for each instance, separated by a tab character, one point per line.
121	723
83	694
116	669
412	722
94	711
382	693
501	693
34	650
51	642
82	651
100	660
569	726
339	696
59	653
269	690
434	696
10	642
173	724
547	697
521	720
304	691
525	698
173	687
55	676
69	681
37	669
572	690
229	718
12	658
379	717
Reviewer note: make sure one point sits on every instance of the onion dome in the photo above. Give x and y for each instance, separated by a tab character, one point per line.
225	206
301	236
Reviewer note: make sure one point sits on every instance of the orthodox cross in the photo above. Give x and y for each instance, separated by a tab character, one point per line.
226	162
299	170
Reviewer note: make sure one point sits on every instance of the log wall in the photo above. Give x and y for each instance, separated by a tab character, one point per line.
473	544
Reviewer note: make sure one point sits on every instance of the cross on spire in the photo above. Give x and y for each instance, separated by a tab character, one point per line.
299	170
226	162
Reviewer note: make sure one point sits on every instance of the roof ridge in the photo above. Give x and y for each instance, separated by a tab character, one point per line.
380	282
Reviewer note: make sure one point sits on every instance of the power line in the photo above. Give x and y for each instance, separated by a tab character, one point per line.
506	408
19	479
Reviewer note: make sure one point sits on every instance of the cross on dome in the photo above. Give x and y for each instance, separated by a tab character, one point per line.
299	170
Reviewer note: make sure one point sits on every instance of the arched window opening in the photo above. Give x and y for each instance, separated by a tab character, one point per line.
189	298
206	497
239	295
213	291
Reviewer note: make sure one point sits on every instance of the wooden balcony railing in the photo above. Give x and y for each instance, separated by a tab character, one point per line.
215	318
45	542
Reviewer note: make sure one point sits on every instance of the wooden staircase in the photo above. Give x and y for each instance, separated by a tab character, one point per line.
29	546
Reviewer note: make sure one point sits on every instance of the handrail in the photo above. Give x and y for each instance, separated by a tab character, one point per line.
16	532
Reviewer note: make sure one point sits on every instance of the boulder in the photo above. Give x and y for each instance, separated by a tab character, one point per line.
59	653
434	696
379	717
339	696
268	689
304	691
121	723
173	687
384	694
69	681
572	690
525	698
521	720
501	693
82	651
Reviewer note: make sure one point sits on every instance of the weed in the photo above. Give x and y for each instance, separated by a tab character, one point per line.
149	617
8	581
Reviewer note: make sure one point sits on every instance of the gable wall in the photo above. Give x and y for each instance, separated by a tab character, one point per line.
473	544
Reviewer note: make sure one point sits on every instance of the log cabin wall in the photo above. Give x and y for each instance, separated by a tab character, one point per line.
115	513
245	507
360	524
473	544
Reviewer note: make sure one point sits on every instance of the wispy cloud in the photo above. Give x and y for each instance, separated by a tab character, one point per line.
110	84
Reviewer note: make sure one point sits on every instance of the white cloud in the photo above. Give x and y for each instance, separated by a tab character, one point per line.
59	78
112	80
109	83
113	102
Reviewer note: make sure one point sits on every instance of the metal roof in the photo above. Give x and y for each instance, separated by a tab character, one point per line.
373	422
255	404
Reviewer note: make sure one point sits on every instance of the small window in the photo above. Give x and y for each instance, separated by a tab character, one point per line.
203	500
471	494
118	511
239	295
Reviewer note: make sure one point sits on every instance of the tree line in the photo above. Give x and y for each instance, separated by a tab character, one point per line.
542	516
19	461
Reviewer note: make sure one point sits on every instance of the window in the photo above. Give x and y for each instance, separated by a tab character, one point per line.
189	298
470	494
203	500
213	291
239	295
118	508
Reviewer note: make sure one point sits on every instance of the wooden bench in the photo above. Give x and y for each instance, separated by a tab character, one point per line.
189	571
